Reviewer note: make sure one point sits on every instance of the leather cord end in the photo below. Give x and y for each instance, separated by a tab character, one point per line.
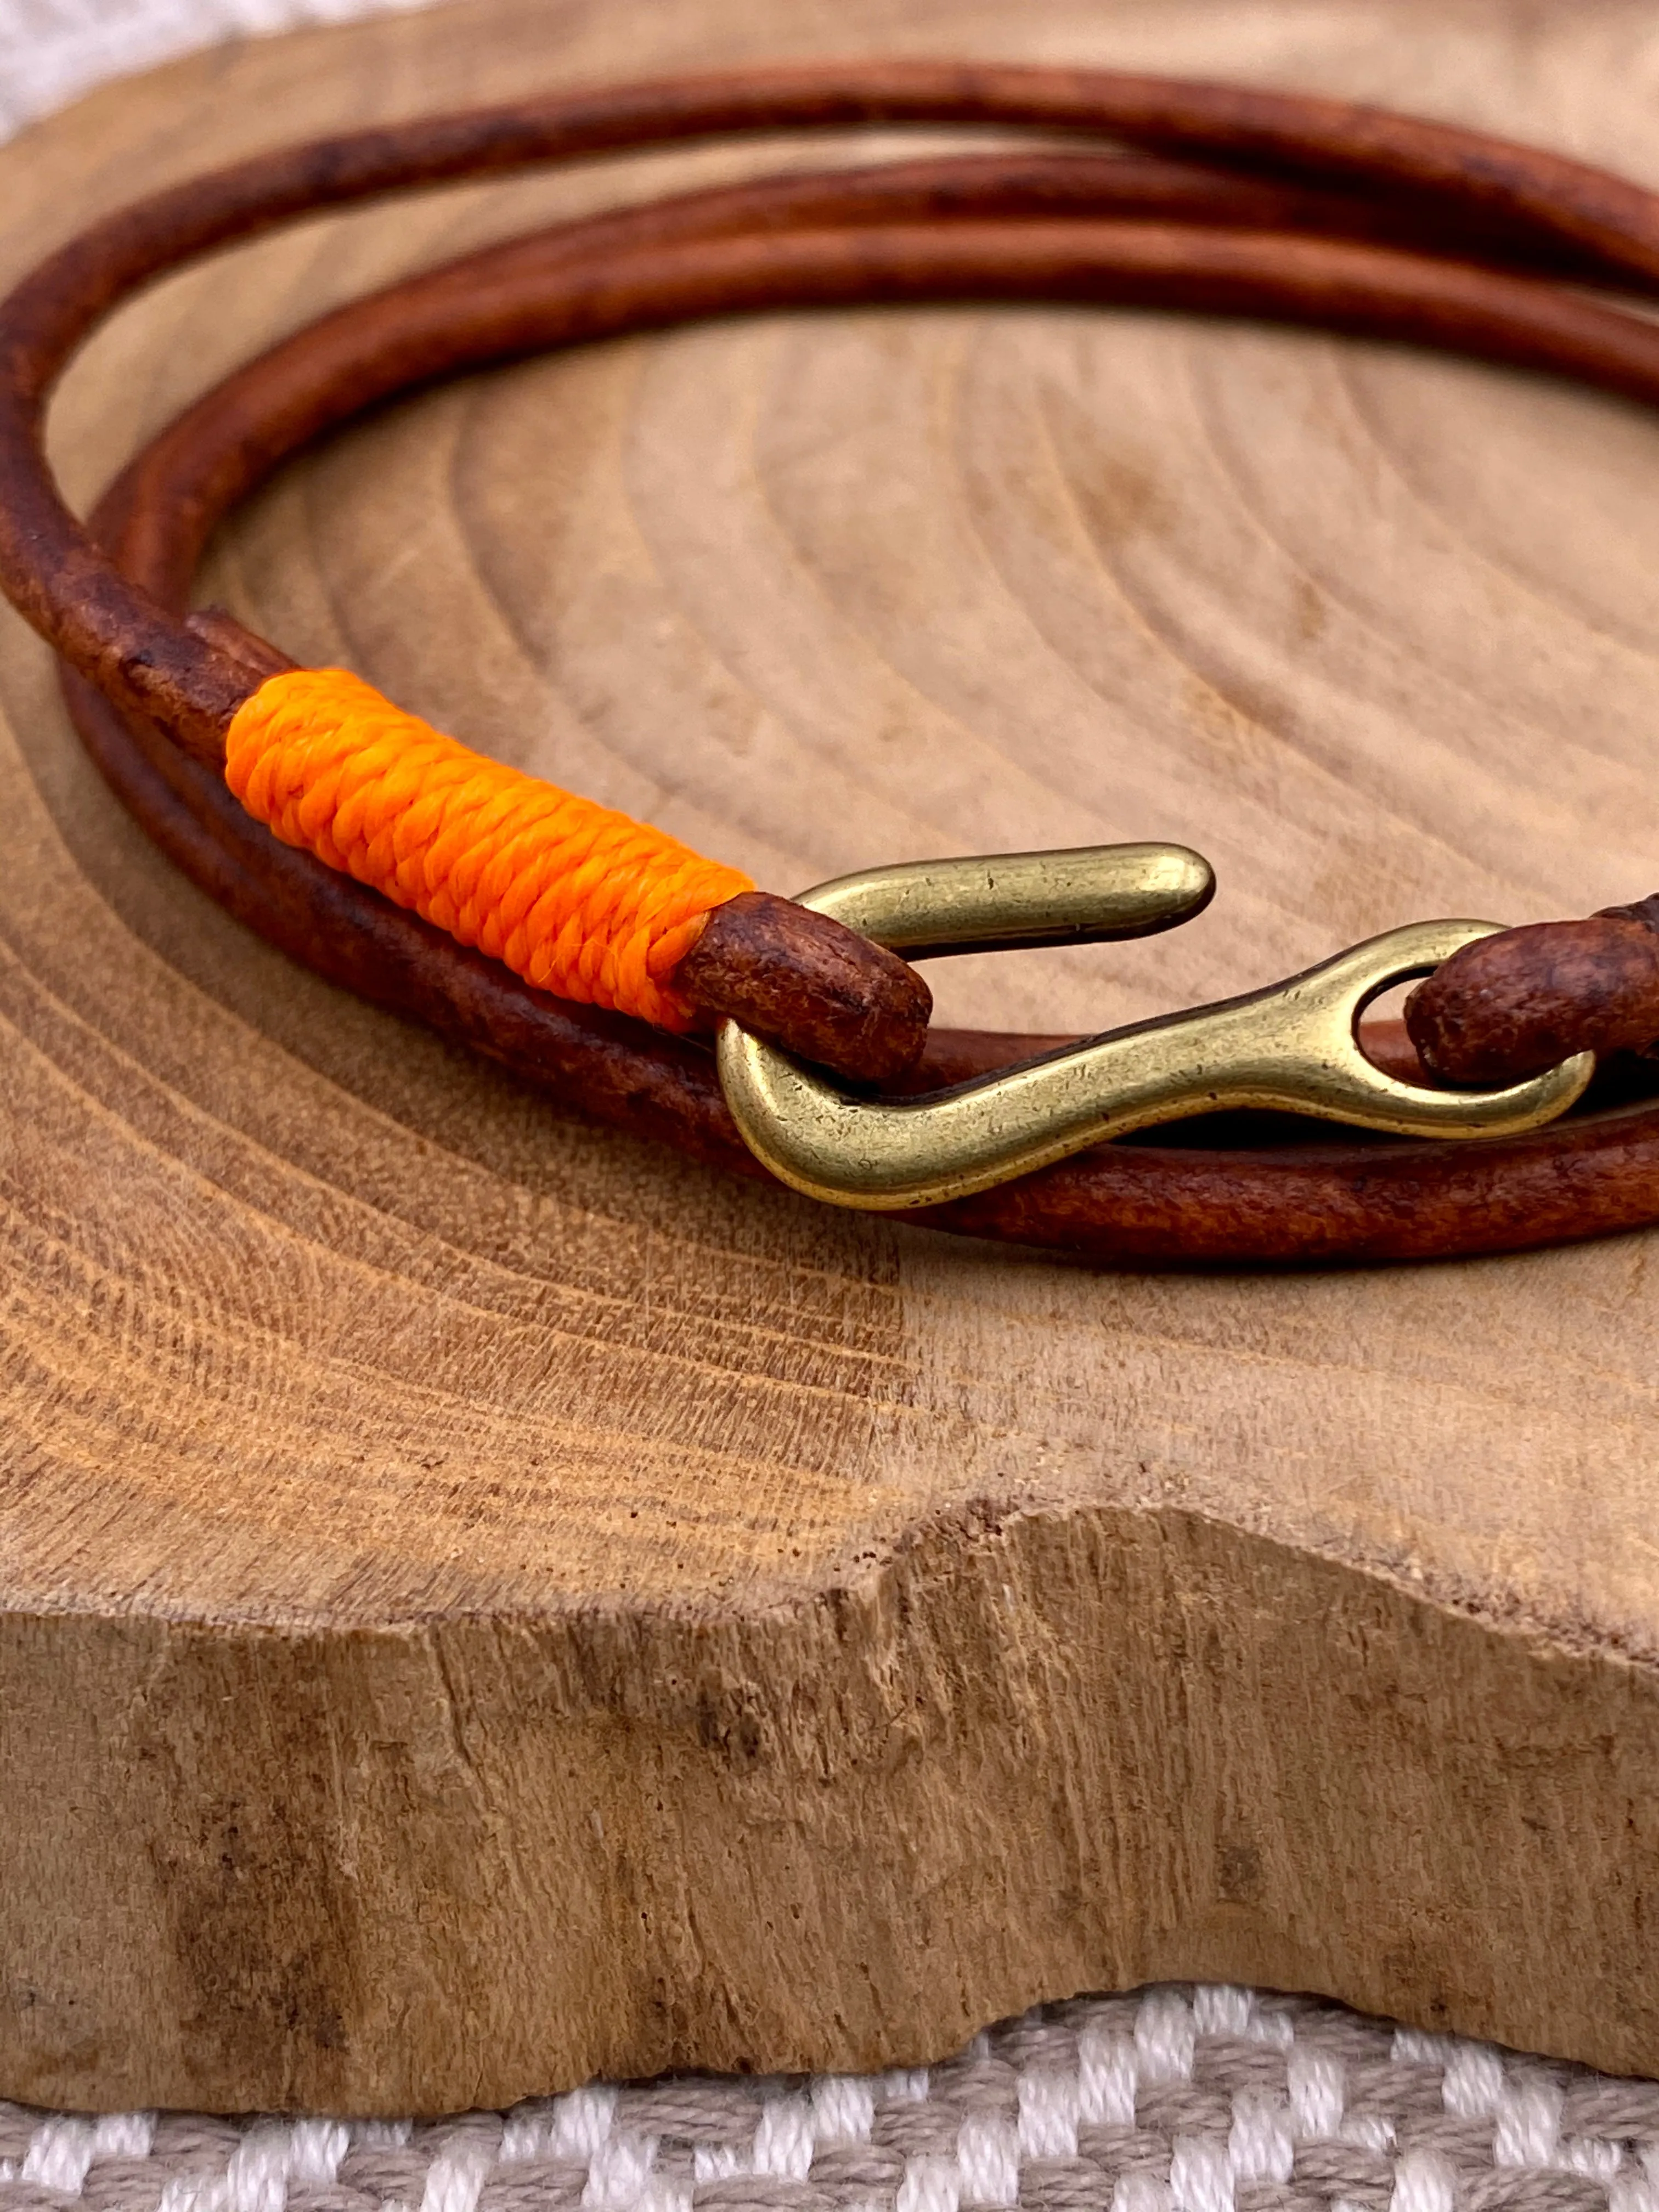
809	984
1513	1004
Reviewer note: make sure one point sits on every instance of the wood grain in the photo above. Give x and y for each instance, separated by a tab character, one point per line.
483	1603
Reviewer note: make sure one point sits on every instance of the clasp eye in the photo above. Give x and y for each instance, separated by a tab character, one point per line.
1293	1047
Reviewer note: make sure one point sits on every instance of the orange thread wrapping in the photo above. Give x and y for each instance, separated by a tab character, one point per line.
577	899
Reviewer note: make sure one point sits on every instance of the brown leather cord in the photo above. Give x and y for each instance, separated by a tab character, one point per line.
1035	226
148	663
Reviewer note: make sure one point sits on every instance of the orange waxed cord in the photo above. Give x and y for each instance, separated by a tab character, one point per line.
576	898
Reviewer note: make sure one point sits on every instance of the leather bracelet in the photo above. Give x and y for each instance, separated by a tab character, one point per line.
1304	211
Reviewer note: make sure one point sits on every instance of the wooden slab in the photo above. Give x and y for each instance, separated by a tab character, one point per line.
485	1604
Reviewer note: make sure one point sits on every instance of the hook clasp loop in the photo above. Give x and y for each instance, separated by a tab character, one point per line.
1294	1048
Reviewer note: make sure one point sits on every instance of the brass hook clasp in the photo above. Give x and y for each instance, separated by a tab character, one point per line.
1293	1047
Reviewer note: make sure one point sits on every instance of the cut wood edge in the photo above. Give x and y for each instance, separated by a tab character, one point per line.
475	1860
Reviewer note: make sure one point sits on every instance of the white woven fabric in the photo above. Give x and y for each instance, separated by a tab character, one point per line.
51	49
1168	2100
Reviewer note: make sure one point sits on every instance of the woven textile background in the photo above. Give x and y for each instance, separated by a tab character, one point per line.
1170	2100
1165	2100
51	49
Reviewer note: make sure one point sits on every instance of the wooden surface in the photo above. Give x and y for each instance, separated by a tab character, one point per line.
485	1604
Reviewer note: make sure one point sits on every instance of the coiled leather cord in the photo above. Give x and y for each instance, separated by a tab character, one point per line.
1303	210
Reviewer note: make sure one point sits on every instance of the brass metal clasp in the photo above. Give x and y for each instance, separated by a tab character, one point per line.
1293	1047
